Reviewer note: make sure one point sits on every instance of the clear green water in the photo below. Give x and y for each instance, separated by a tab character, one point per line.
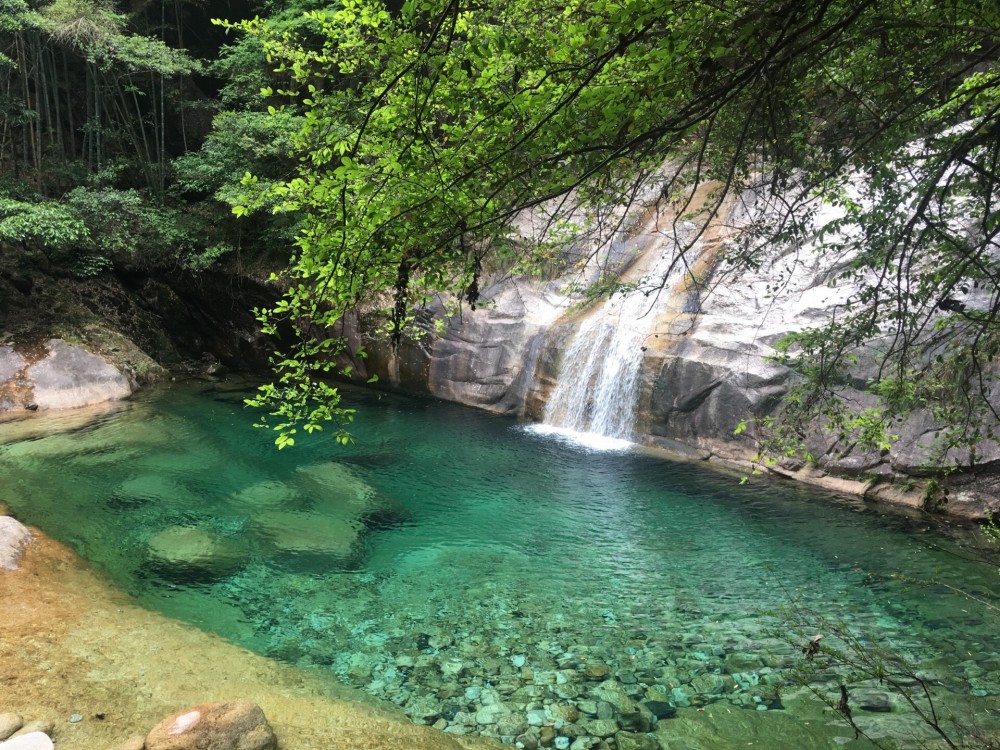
451	559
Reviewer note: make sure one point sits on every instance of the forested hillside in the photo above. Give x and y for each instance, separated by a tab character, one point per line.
393	147
125	131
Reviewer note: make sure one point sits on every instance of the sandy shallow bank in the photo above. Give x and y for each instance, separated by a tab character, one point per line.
69	644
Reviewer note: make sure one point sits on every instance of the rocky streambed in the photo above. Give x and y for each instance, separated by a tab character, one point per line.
505	670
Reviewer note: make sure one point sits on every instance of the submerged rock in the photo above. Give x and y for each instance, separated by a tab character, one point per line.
182	549
309	532
221	725
14	535
875	702
334	487
268	494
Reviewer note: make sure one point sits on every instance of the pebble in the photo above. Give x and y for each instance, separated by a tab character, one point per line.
75	719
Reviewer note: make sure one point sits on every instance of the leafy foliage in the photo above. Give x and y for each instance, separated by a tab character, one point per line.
427	131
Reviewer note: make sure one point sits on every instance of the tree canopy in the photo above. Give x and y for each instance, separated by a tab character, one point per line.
427	130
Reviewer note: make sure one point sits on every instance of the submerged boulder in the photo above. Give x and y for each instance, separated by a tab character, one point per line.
334	487
191	549
268	494
222	725
309	532
322	510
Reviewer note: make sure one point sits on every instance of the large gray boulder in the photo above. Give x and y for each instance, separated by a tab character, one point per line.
71	376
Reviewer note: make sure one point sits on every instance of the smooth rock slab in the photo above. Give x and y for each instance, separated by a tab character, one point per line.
71	376
14	535
30	741
221	725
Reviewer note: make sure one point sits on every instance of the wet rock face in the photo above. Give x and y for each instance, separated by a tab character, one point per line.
214	726
61	376
484	357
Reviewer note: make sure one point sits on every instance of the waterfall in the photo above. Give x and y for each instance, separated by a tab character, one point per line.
597	387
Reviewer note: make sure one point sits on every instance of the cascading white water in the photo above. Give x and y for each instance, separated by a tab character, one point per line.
597	387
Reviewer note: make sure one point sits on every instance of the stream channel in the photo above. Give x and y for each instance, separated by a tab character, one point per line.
491	579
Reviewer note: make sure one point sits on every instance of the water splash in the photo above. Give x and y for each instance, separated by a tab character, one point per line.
598	384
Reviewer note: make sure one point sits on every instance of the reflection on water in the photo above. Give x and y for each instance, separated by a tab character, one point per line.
451	561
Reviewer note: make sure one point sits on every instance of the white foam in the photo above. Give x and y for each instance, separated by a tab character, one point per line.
589	440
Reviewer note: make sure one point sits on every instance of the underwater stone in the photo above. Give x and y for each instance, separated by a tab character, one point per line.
708	684
424	708
187	547
491	714
876	702
452	667
601	727
546	736
527	741
680	698
605	710
309	532
597	671
630	741
613	693
637	721
661	709
566	712
538	718
742	662
267	494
